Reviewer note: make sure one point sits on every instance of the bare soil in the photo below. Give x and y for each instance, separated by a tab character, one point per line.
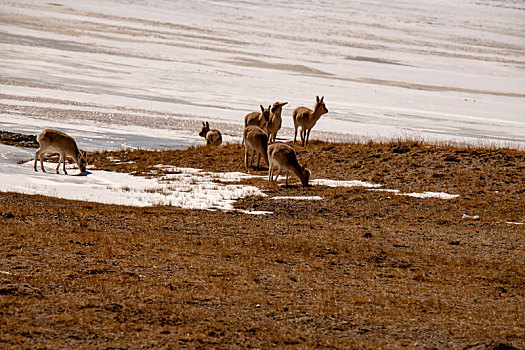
358	269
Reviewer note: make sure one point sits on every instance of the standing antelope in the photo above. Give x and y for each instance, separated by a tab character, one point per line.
284	158
54	141
259	119
306	118
256	141
213	136
275	122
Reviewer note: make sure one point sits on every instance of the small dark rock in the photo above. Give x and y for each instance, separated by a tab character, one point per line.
8	288
401	149
501	290
114	307
367	235
502	346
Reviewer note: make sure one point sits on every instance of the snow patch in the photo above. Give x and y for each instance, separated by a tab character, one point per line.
306	198
187	188
471	217
440	195
338	183
255	212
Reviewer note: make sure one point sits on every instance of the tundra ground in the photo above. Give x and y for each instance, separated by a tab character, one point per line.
357	269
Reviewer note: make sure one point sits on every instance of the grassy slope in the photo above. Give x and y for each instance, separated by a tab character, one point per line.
357	269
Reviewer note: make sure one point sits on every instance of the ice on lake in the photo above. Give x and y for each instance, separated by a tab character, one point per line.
117	74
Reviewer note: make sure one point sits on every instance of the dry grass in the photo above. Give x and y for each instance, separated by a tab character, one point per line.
359	269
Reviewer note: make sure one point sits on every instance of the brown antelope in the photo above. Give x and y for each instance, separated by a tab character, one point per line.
284	158
256	141
54	141
213	136
306	118
259	119
275	122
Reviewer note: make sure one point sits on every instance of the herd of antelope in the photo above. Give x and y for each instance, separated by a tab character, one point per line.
260	133
259	136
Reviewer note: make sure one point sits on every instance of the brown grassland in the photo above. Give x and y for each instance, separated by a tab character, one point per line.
358	269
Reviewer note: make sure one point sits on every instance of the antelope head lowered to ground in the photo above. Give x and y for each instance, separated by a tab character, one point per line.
54	141
255	142
275	122
306	118
213	136
283	158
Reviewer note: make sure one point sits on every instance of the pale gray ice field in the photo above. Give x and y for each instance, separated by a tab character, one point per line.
123	73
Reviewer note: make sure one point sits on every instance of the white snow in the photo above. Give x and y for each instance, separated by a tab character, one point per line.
181	187
439	195
190	188
338	183
256	212
304	198
118	73
389	190
178	173
471	217
13	155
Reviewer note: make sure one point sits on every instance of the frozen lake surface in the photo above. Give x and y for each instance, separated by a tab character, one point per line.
124	73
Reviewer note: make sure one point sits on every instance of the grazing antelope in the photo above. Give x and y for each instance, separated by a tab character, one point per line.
306	118
54	141
259	119
284	158
256	141
213	136
275	122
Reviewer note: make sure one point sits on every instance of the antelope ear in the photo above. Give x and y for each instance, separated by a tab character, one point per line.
207	125
262	108
269	107
284	103
203	124
317	98
322	98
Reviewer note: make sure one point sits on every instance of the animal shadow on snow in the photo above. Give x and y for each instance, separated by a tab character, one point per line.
85	173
